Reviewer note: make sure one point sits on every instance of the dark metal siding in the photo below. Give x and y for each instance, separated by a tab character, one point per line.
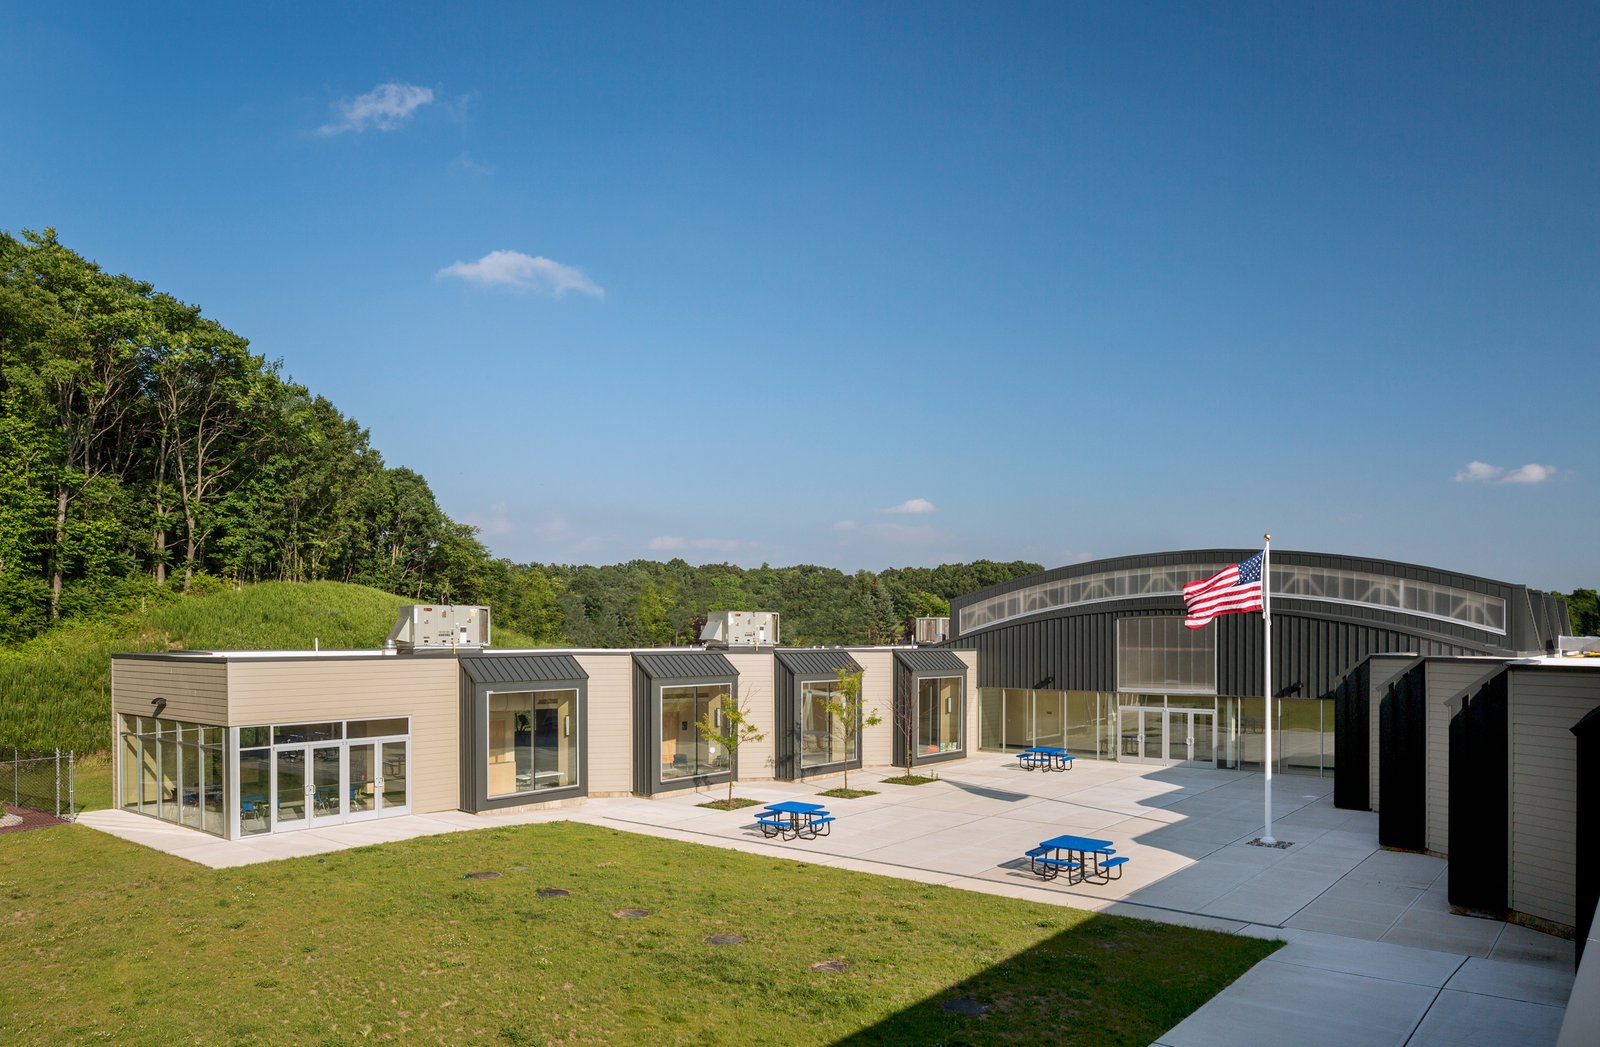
677	668
785	721
1312	651
909	668
685	665
1352	731
522	668
1402	762
931	660
479	675
791	669
1319	642
1480	791
817	663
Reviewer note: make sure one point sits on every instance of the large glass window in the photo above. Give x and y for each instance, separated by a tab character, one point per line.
822	736
684	752
940	711
174	771
1162	654
533	741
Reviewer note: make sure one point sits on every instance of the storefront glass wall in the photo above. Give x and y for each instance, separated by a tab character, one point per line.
174	770
1226	731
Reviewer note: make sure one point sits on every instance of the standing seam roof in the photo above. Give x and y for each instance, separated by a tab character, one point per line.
818	663
935	659
522	668
684	665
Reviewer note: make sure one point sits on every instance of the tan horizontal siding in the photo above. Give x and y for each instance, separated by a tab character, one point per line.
283	691
610	718
971	693
1543	707
757	669
196	692
1446	680
877	695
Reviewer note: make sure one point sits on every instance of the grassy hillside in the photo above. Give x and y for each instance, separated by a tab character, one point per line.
55	691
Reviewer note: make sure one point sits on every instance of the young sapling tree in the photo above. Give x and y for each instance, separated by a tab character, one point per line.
729	726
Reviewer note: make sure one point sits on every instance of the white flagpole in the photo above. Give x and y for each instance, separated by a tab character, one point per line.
1266	614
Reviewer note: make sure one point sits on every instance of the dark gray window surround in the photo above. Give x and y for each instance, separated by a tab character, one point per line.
651	673
483	673
791	671
910	669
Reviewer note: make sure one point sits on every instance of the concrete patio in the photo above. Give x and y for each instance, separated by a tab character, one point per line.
1374	954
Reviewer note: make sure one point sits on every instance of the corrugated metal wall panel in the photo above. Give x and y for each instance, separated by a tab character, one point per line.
817	663
1314	652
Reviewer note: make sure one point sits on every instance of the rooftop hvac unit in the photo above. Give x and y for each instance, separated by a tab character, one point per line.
932	630
740	629
422	627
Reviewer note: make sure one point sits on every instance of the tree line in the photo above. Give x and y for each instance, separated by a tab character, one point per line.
145	449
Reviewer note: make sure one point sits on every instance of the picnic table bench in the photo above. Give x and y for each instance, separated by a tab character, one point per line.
1089	858
793	819
1046	758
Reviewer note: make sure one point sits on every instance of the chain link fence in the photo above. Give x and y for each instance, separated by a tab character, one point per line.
38	780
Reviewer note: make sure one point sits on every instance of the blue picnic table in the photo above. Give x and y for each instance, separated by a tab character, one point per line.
1086	856
792	819
1046	758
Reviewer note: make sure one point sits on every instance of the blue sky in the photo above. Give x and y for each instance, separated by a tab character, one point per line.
880	285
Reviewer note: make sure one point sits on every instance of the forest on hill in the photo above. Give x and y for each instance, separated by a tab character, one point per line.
144	449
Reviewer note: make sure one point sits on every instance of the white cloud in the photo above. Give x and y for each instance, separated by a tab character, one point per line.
845	525
665	543
914	505
523	273
1483	472
1478	471
383	108
1530	474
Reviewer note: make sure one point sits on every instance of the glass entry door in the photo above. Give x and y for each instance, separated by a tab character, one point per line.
1168	735
1191	736
1142	733
365	795
312	776
1203	737
327	797
289	789
394	785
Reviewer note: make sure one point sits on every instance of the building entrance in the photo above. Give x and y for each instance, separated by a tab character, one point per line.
1158	734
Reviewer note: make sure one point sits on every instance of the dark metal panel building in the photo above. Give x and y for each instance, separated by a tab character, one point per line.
1329	613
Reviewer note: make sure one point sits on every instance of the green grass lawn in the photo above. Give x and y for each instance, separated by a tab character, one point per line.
106	941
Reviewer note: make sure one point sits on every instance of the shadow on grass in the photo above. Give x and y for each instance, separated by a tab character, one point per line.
1106	980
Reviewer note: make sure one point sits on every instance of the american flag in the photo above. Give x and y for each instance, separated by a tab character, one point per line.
1231	591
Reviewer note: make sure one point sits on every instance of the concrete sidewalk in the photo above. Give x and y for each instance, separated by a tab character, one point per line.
1374	954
